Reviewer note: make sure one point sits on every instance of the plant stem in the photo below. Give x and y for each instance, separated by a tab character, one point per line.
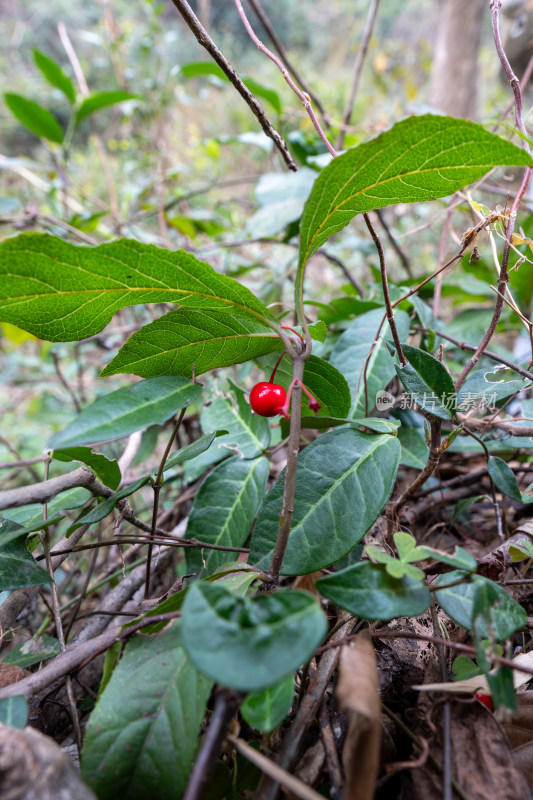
358	68
495	6
386	294
205	40
157	490
429	469
289	486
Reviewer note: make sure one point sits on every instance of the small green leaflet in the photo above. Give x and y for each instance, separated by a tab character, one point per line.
18	568
428	382
34	117
61	292
54	75
267	709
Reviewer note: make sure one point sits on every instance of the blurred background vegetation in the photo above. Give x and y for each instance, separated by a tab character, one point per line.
184	164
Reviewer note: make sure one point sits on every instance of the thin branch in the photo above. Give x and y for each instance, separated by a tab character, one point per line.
205	40
495	6
493	356
358	68
393	243
386	294
309	706
157	490
305	99
225	706
427	472
267	25
290	782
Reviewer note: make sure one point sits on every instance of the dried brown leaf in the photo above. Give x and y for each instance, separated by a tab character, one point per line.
358	694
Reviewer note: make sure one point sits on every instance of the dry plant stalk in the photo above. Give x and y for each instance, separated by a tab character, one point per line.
358	694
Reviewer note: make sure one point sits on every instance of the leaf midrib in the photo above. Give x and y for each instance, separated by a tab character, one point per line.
366	189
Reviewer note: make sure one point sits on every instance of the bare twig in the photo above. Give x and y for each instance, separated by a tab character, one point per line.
309	706
267	25
358	68
205	40
225	706
290	782
495	6
429	469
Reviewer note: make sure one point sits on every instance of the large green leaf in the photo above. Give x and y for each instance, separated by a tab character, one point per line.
343	481
419	158
188	339
267	709
34	117
224	510
367	590
428	382
119	413
54	74
250	643
458	602
100	100
17	566
61	291
143	733
247	433
352	350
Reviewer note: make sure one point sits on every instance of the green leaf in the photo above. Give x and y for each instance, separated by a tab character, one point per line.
14	711
428	382
521	551
344	480
119	413
18	568
142	736
11	530
61	292
247	433
250	644
54	75
458	602
267	709
106	506
375	424
503	478
419	158
32	651
104	468
415	450
479	387
461	559
34	117
99	100
354	347
464	668
192	450
367	590
190	340
224	510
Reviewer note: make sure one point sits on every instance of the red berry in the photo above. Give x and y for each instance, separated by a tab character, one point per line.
486	699
266	399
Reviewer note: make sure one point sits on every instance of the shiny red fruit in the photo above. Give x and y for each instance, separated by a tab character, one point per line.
486	699
266	399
